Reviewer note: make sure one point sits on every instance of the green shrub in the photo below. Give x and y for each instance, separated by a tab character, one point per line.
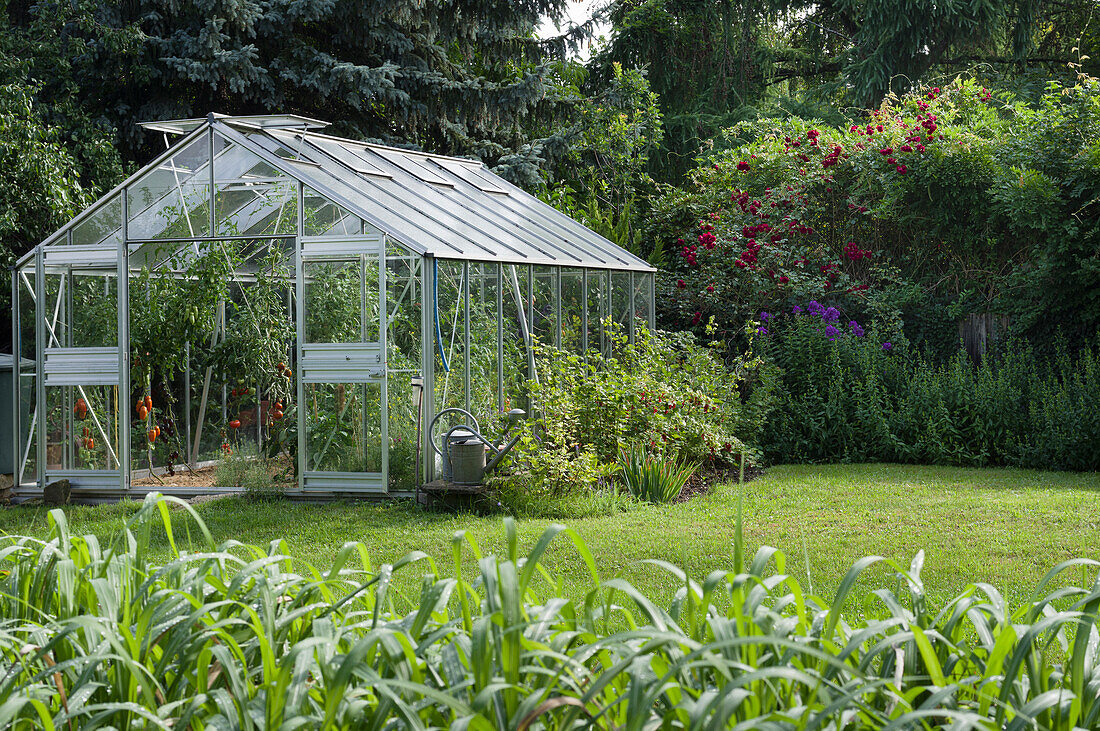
230	470
665	392
238	636
653	479
851	399
258	482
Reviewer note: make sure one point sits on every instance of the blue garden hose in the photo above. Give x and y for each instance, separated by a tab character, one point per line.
435	310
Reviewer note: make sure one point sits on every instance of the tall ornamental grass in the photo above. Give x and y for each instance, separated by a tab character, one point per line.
97	635
654	479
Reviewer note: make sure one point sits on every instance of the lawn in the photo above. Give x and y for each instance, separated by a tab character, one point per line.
1006	527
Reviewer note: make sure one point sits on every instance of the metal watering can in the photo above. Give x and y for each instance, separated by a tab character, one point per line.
463	448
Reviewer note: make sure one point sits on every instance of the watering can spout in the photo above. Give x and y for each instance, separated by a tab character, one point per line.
492	464
514	416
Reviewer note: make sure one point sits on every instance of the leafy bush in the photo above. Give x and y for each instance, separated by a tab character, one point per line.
852	396
258	482
238	636
653	479
230	470
665	392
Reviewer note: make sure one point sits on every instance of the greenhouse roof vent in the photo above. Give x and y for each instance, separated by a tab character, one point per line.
252	121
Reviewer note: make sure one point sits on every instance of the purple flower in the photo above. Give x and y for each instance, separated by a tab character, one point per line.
831	315
856	329
831	332
887	346
762	330
796	310
765	316
815	308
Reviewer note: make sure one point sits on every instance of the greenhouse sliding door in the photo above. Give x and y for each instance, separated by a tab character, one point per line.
342	414
80	392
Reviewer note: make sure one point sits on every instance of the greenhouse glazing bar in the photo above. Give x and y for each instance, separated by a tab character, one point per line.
123	399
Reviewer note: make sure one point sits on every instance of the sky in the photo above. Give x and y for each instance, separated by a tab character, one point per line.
579	11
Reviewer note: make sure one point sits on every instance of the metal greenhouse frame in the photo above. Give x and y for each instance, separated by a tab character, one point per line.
411	282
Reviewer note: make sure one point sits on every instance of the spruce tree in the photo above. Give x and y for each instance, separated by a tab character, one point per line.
456	77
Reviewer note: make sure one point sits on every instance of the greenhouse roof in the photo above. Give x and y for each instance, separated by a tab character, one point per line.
446	207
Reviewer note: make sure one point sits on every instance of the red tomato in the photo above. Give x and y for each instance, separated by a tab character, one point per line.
152	435
235	424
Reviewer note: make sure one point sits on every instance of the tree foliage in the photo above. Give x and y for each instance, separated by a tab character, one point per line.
713	64
467	78
603	179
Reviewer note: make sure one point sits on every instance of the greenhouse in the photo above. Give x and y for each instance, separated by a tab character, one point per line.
263	290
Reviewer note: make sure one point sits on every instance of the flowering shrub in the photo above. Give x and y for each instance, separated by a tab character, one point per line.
850	394
981	201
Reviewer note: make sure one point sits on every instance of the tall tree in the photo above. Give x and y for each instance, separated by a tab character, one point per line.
715	62
463	77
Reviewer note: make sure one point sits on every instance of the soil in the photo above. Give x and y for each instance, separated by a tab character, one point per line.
183	478
205	477
704	480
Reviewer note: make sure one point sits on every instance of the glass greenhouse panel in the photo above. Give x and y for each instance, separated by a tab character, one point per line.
599	308
514	323
450	324
322	217
94	305
484	324
403	291
572	310
27	455
172	201
403	408
341	300
343	427
104	227
643	298
251	197
81	427
620	301
55	311
544	304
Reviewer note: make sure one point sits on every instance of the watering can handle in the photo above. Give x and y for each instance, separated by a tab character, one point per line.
431	427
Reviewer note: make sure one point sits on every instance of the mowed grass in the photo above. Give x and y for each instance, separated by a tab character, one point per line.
1005	527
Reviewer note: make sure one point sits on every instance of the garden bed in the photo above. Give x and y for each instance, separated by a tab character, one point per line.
705	478
207	476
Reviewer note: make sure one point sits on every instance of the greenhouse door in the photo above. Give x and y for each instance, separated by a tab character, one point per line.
80	391
343	447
